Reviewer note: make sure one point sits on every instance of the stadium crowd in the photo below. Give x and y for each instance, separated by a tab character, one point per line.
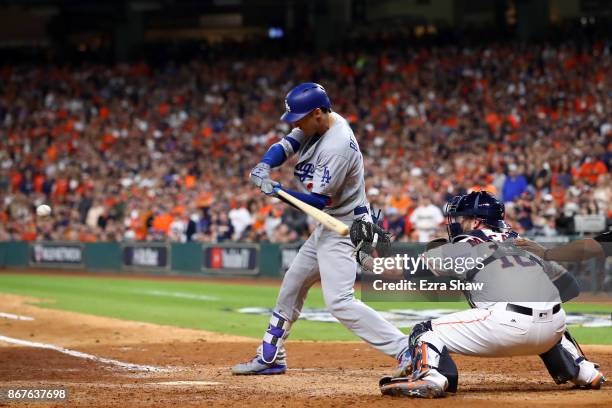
136	152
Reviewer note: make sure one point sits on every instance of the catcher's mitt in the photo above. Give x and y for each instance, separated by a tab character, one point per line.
370	240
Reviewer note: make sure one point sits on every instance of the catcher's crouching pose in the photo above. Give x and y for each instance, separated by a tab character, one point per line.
517	313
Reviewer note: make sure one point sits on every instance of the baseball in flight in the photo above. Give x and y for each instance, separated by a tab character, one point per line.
43	210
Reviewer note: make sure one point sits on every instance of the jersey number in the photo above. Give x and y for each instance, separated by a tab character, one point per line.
507	261
518	260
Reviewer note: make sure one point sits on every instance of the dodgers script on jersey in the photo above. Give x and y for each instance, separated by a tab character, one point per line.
332	165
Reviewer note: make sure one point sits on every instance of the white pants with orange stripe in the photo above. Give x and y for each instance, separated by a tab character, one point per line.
497	332
493	332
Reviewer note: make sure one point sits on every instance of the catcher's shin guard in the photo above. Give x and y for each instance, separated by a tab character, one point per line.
423	332
424	382
432	371
566	362
278	330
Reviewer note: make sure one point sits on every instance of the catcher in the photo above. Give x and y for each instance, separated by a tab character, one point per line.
517	313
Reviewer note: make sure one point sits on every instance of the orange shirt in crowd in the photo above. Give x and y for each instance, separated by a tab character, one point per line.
61	187
52	153
29	234
16	178
489	187
141	225
87	237
591	171
260	218
190	181
401	203
205	199
178	210
38	183
162	222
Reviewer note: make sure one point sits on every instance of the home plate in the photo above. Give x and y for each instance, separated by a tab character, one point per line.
185	383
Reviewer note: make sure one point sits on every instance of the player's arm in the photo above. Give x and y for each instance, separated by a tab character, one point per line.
316	200
276	155
280	151
580	250
564	281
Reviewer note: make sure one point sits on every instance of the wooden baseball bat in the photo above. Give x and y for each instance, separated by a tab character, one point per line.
324	218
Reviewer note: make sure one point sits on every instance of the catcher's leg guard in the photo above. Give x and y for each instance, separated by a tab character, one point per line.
278	331
432	370
566	362
432	360
448	368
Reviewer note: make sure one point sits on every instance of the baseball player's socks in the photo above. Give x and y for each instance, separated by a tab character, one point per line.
259	367
277	332
271	356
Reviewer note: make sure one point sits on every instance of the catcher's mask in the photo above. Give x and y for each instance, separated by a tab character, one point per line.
480	205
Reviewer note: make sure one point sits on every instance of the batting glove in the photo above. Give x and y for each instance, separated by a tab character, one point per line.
270	187
260	173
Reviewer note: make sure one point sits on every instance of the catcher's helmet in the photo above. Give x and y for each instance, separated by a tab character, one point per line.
303	99
481	205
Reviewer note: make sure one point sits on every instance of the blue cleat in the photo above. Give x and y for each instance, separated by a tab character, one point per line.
258	367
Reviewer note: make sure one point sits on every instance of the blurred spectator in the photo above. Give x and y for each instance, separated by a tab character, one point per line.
395	223
515	184
241	219
222	228
426	219
118	150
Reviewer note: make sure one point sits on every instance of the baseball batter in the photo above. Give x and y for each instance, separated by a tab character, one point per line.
519	312
330	176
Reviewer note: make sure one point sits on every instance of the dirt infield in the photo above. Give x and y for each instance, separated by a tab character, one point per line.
191	368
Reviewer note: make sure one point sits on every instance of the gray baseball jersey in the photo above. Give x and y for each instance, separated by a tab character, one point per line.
512	277
331	165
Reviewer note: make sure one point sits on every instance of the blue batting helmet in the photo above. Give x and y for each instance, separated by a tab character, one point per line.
481	205
303	99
